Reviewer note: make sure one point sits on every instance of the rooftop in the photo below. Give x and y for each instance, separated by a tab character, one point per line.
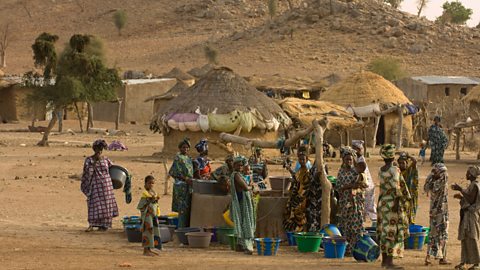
432	80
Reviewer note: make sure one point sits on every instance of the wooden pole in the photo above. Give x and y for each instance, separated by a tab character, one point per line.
457	143
119	109
326	185
365	139
348	137
377	122
167	176
400	126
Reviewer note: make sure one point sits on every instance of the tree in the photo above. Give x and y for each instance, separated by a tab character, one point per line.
4	40
394	3
44	54
120	19
455	12
211	54
388	67
272	8
421	4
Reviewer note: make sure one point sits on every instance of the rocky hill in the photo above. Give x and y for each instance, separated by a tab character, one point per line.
305	40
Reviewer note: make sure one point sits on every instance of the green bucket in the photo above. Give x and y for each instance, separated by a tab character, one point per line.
233	241
308	241
222	235
427	237
332	179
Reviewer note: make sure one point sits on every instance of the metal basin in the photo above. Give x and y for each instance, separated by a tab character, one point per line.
119	175
211	187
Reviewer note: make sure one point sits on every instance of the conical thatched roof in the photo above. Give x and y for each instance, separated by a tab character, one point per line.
178	74
179	87
222	91
278	82
199	72
473	95
305	111
364	88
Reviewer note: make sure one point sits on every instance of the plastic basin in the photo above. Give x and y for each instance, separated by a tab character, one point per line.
267	246
335	247
222	235
233	241
291	239
414	228
366	250
199	239
182	231
165	235
416	240
171	230
212	230
330	230
134	235
308	241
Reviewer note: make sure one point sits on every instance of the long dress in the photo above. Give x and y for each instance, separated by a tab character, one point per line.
259	172
438	142
410	174
351	207
370	206
149	228
202	165
97	186
438	190
243	215
182	193
469	227
392	224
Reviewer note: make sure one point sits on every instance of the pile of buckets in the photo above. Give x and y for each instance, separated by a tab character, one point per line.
419	236
132	226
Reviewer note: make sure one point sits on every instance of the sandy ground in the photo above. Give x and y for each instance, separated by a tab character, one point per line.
43	214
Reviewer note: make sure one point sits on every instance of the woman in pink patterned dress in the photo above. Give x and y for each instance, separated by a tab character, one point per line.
97	187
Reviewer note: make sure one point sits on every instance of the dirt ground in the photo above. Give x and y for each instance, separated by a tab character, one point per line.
43	214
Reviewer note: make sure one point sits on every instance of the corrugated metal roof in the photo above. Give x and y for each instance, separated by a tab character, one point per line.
431	80
143	81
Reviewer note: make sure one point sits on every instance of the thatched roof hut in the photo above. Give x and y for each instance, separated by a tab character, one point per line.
221	101
473	98
199	72
180	75
368	95
160	101
278	86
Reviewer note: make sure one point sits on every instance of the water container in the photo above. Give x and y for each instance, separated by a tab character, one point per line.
267	246
335	247
366	250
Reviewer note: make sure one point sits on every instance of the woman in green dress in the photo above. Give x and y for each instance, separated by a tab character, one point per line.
438	141
182	172
408	168
392	222
242	207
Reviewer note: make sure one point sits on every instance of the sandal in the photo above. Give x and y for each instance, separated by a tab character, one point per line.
444	262
89	229
428	261
460	267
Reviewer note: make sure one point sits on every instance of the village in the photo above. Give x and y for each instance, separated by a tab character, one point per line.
176	137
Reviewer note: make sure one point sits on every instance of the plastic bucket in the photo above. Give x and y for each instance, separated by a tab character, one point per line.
330	230
173	221
332	179
416	240
372	232
171	229
222	235
267	246
335	247
291	239
308	241
233	241
199	239
134	235
366	250
212	230
414	228
427	237
182	231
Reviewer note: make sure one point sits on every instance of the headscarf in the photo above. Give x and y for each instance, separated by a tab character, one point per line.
229	157
202	146
100	144
437	118
403	156
387	151
184	141
440	167
347	150
474	170
357	144
241	159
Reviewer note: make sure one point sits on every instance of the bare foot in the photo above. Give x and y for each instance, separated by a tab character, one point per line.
154	251
89	229
102	229
149	253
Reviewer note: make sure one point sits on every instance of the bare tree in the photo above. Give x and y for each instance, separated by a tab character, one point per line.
24	4
421	4
4	40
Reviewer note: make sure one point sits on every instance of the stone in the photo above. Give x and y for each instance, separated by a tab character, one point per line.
417	48
313	18
390	43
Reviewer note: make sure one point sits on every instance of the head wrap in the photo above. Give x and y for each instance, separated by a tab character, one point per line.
437	118
403	156
202	146
241	159
474	171
258	149
100	144
347	150
440	167
229	157
184	141
357	144
387	151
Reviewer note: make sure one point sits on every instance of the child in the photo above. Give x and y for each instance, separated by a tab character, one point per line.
362	182
150	211
423	151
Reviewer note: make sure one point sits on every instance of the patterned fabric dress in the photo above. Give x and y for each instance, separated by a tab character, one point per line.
243	215
351	207
438	192
222	175
438	142
411	179
97	186
469	227
370	206
149	228
182	192
392	224
202	165
259	172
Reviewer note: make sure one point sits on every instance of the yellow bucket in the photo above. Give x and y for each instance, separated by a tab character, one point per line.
226	217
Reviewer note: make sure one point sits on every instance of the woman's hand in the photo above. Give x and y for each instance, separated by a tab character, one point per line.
188	180
458	196
456	187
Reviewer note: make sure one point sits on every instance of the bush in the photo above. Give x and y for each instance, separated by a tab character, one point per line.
388	67
455	12
211	54
120	19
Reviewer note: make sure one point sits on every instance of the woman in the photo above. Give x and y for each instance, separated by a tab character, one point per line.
182	172
97	186
437	140
242	207
302	212
259	168
392	222
469	227
436	186
202	168
351	201
408	168
222	173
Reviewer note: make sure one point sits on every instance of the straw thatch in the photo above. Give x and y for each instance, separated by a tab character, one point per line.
222	91
280	83
199	72
473	95
178	74
305	111
179	87
363	89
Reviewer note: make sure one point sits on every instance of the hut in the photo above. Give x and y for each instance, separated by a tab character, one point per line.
199	72
380	104
280	87
180	75
221	101
472	99
160	101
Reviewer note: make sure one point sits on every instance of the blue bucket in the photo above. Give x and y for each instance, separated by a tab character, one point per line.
335	247
173	221
413	228
416	240
366	250
330	230
291	239
372	232
267	246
